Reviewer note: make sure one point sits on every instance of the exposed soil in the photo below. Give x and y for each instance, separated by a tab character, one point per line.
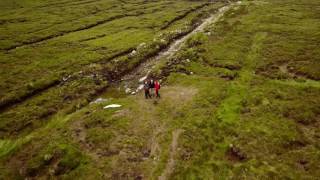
234	154
183	16
173	153
79	134
130	79
133	79
284	69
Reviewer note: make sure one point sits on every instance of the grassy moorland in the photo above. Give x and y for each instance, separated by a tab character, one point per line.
66	59
239	101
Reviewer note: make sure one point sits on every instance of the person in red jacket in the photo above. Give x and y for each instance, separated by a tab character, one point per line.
157	87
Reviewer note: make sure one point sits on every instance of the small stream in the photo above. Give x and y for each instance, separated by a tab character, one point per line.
132	82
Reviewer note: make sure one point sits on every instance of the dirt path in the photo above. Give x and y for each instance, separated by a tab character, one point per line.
142	71
134	79
173	153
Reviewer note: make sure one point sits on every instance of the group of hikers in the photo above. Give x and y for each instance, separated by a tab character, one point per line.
151	88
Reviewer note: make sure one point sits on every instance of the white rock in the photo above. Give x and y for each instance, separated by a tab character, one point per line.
99	100
188	60
133	52
142	44
191	73
143	78
112	106
128	90
140	87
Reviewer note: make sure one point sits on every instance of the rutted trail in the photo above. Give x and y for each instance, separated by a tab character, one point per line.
9	101
144	68
173	153
182	16
132	79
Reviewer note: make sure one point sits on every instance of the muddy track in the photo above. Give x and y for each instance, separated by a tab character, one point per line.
4	105
129	75
133	78
172	155
183	16
132	75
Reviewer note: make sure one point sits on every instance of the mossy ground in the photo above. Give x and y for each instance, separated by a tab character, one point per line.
238	113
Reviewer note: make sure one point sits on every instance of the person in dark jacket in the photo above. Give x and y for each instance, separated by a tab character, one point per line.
146	90
152	87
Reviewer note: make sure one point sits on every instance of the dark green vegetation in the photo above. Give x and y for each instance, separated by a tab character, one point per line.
240	100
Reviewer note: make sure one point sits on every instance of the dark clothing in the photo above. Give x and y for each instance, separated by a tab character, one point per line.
151	85
147	94
146	91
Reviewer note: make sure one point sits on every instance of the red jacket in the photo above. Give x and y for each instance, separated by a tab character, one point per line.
157	85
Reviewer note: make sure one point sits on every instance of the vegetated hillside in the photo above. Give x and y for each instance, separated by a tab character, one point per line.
58	55
240	100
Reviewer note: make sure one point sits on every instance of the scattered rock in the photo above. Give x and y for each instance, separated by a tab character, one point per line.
128	90
66	78
133	53
112	106
140	87
142	45
99	100
143	78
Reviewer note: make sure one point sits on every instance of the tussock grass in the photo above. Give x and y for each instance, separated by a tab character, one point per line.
239	116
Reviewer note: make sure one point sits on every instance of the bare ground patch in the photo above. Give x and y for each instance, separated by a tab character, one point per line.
173	153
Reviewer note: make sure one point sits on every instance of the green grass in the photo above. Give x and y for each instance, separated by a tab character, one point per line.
42	66
71	46
242	118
